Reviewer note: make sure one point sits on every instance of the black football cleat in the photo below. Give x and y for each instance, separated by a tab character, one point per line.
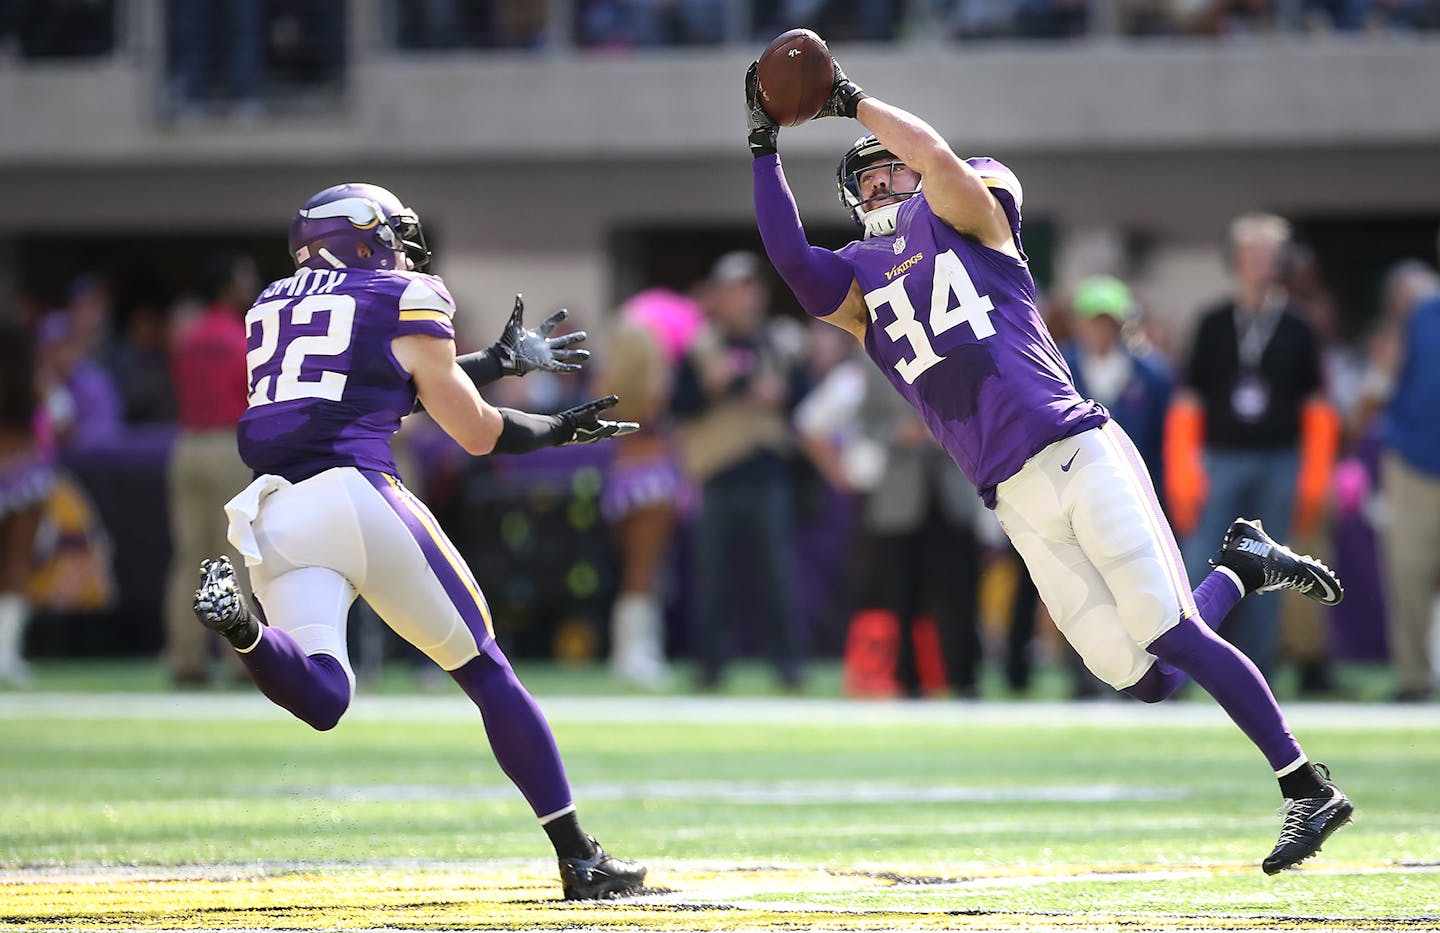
220	605
600	876
1264	564
1309	821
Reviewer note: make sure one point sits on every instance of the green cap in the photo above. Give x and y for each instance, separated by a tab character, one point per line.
1103	294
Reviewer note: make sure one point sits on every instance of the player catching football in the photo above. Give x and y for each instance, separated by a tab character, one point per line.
338	354
938	291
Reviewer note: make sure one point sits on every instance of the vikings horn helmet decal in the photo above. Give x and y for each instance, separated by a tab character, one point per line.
356	226
868	153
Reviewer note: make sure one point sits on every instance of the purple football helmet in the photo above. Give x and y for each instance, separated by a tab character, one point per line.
356	225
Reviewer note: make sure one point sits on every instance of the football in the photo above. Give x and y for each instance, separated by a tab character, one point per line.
794	76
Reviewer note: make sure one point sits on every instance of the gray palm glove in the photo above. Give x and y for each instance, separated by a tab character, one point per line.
845	96
521	351
764	131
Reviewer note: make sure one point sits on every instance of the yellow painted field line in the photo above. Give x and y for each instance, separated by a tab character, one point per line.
489	898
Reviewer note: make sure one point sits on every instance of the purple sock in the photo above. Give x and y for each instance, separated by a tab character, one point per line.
1216	595
519	735
313	688
1234	682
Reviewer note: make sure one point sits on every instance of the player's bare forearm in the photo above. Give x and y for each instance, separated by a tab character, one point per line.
447	392
955	191
911	139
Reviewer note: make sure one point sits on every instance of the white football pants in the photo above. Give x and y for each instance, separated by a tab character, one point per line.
1083	515
311	546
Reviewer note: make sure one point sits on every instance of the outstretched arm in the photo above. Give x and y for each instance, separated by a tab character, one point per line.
820	279
955	191
479	427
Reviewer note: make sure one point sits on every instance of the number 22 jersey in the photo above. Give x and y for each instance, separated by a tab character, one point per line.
953	326
325	390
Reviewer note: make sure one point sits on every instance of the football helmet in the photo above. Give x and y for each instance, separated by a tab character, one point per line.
868	153
356	226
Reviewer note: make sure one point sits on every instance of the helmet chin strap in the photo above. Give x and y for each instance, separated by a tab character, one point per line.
880	221
329	257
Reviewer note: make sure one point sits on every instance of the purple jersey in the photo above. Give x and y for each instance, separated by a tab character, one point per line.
955	330
325	390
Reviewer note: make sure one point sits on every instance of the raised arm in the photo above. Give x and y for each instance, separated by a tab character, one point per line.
955	192
823	282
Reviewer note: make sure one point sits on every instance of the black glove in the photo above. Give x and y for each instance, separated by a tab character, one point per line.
519	351
587	426
522	351
764	132
845	96
524	432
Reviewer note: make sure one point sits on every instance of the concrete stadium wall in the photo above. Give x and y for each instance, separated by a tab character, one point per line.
526	163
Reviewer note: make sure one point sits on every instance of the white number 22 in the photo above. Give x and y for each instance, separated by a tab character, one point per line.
950	278
287	385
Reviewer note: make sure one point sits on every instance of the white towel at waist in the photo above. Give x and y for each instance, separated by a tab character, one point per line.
242	511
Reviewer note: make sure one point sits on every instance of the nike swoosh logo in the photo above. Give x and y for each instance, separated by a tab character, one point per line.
1065	467
1329	594
1332	804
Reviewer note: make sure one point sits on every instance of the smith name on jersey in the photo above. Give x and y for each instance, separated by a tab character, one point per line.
953	326
325	390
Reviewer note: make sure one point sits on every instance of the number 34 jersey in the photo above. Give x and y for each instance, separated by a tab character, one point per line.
325	389
953	326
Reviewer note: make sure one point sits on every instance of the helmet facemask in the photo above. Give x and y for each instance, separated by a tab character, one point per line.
868	155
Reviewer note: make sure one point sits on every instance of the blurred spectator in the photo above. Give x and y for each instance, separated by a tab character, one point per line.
1305	638
25	481
622	24
1112	364
450	24
205	470
734	391
80	398
141	367
92	317
1372	15
306	46
59	28
920	516
643	486
835	20
1252	399
232	56
1135	386
1052	19
217	51
1406	380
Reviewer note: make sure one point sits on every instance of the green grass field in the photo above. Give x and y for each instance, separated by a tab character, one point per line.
213	810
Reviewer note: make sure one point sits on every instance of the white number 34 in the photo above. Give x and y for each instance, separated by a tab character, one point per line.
267	385
950	279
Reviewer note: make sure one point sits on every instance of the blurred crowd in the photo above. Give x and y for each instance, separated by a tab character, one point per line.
247	54
779	501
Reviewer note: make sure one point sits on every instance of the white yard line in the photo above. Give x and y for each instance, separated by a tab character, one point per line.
740	710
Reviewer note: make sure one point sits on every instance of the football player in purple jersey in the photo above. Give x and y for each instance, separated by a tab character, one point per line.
938	291
338	354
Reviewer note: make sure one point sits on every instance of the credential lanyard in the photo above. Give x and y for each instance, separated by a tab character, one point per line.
1252	336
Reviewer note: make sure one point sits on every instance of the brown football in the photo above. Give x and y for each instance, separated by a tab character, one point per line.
795	76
